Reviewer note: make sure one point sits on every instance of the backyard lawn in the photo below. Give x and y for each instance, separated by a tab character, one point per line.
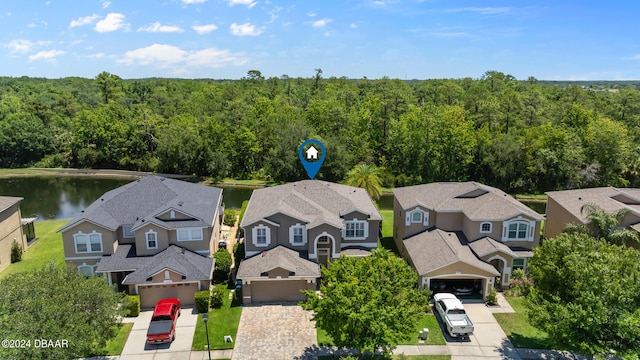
115	345
222	321
387	231
47	248
517	327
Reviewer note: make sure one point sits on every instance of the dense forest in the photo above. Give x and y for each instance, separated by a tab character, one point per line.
518	135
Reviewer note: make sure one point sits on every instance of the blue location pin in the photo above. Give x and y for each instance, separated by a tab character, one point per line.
309	157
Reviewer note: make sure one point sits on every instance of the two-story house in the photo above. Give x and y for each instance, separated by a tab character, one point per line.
460	236
10	228
565	207
151	237
291	229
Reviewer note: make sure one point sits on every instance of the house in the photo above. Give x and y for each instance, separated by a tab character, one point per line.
152	237
460	236
10	228
564	207
312	153
292	229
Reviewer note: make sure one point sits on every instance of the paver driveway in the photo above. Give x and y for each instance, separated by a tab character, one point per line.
275	332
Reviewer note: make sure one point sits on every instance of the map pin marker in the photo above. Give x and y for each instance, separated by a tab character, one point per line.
312	154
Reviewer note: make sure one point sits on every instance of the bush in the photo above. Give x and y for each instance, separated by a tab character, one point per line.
238	253
519	286
16	252
492	297
217	296
133	305
229	217
517	274
202	301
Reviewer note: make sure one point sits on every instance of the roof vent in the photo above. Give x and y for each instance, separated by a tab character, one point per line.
264	253
102	199
182	250
180	203
580	198
81	211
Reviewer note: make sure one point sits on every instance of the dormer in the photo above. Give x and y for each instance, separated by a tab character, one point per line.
172	214
626	199
473	193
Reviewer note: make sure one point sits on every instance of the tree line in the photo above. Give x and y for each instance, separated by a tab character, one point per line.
518	135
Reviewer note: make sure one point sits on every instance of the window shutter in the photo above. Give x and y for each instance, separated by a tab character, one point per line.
408	219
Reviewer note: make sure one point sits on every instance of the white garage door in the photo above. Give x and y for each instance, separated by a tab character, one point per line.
150	294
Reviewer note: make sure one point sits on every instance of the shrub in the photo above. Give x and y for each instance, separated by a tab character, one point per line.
520	286
217	296
229	217
517	274
16	252
133	305
492	297
202	301
238	252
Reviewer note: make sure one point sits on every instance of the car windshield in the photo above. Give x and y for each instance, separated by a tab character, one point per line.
456	312
161	317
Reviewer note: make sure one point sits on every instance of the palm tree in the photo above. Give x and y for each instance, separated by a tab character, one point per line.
366	176
605	225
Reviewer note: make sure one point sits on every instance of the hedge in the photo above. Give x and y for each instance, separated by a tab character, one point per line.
133	305
202	301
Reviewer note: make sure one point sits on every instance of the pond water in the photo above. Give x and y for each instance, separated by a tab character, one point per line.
64	197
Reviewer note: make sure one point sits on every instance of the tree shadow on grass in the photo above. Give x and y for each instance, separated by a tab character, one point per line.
389	244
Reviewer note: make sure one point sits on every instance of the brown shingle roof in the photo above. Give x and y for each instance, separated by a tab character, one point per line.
609	199
278	257
475	200
435	248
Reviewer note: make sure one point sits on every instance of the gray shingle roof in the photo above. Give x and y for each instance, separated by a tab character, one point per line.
605	197
475	200
487	245
8	201
435	248
142	200
191	265
312	201
278	257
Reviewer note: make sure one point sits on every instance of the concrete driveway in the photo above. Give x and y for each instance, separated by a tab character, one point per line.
137	348
275	332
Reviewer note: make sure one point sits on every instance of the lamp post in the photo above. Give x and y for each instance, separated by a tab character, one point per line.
205	318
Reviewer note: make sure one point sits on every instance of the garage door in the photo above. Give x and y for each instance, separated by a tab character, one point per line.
466	288
277	291
149	295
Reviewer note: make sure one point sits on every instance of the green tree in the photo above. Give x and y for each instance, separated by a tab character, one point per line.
604	225
366	176
368	303
586	294
110	86
58	303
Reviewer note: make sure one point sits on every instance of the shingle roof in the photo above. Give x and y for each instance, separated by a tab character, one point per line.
278	257
487	245
435	248
312	201
475	200
191	265
141	201
8	201
608	198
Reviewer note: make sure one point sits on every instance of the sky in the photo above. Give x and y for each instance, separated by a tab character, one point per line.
405	39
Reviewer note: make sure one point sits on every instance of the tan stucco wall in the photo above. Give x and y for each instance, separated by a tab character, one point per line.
160	277
279	272
141	239
464	269
557	218
197	245
108	239
178	215
449	221
10	229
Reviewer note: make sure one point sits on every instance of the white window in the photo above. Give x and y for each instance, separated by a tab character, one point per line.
486	227
88	243
85	269
190	234
356	229
518	229
417	216
172	214
297	235
261	236
126	231
152	239
519	264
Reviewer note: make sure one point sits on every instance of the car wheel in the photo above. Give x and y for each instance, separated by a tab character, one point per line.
173	338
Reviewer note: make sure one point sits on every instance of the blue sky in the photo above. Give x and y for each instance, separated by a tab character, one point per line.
412	39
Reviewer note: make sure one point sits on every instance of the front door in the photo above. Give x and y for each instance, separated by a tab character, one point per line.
323	257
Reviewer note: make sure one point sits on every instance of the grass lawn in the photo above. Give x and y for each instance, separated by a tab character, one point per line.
387	231
520	332
393	357
115	345
222	321
47	248
428	321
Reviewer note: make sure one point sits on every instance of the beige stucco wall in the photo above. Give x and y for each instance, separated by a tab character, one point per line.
557	218
278	272
10	229
109	244
459	267
449	221
160	277
178	215
141	239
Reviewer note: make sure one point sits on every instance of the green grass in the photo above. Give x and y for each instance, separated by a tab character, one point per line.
541	197
115	345
231	182
392	357
518	329
387	232
47	248
222	321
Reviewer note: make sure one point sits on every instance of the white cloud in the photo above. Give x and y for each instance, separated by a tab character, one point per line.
98	55
106	4
112	22
157	27
353	26
163	56
320	23
248	3
311	14
46	55
22	46
188	2
83	20
204	29
245	29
